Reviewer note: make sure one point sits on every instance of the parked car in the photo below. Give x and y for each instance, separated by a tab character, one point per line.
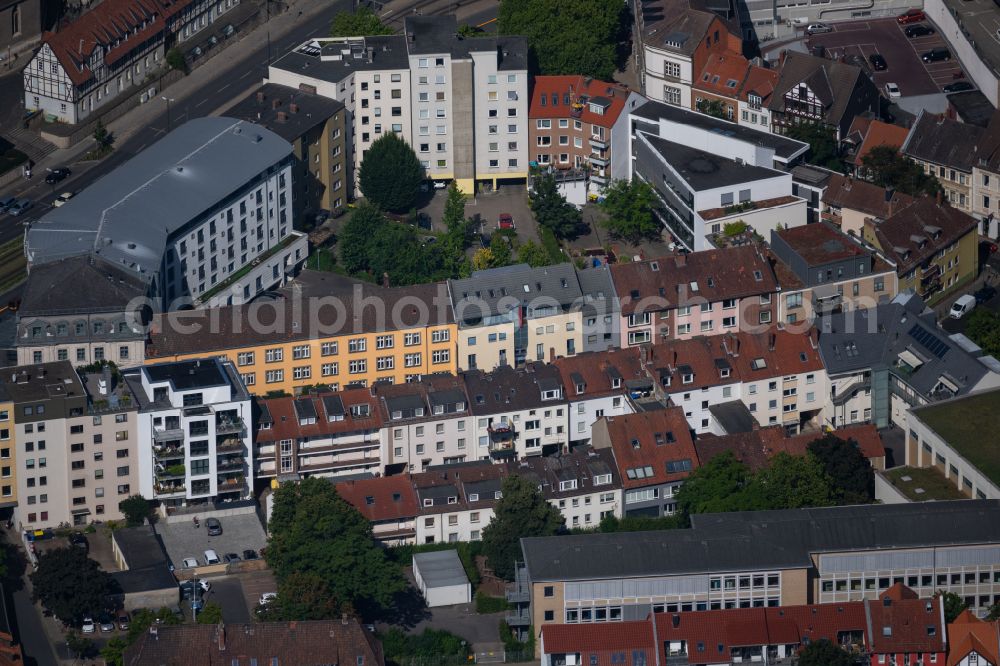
188	587
878	62
20	206
936	55
985	294
919	31
962	306
267	597
231	557
123	621
190	562
892	91
57	175
88	626
958	86
214	527
62	199
911	16
6	203
505	221
249	554
107	623
79	540
818	28
211	557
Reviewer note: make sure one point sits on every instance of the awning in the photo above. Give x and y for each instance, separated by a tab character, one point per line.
80	512
910	359
948	383
825	291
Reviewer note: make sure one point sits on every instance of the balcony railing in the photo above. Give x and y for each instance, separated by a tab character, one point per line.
228	426
597	142
168	489
231	485
167	452
519	618
502	432
167	434
229	444
233	464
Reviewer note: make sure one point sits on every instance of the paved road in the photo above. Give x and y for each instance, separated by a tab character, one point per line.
34	642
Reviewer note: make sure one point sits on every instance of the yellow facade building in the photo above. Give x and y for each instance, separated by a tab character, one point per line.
8	453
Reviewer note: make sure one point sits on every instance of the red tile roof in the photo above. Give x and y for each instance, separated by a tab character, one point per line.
602	639
593	368
880	134
286	423
755	449
391	497
760	81
822	243
651	439
914	624
784	353
577	87
968	633
723	74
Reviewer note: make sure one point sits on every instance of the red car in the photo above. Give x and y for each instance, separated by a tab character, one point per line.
505	221
911	16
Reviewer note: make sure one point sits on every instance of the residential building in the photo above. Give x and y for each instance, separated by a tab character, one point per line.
811	182
317	128
884	361
817	90
186	216
570	119
58	321
318	434
327	330
567	643
425	81
848	203
866	133
10	649
518	413
756	448
455	502
389	503
823	270
599	308
654	453
935	247
703	293
427	421
719	84
194	439
583	484
986	179
946	149
709	172
755	97
948	435
111	49
9	470
303	642
904	629
973	642
765	558
76	446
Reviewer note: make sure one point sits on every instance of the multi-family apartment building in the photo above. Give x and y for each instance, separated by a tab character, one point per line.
455	502
202	216
703	293
986	180
811	89
388	502
934	247
709	173
848	203
866	133
719	84
331	332
110	49
317	128
570	122
76	446
195	440
762	559
318	434
8	453
882	362
755	98
421	86
58	321
516	314
823	270
946	149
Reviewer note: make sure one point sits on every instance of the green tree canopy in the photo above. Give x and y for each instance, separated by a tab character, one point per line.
823	148
629	205
953	605
824	653
722	484
712	107
211	613
522	511
390	174
983	327
361	23
533	254
792	482
303	596
552	210
851	475
581	37
314	531
70	584
890	169
136	509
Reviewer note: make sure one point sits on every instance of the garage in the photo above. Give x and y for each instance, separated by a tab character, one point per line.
441	578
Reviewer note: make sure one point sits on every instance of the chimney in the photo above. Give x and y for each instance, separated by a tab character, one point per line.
675	620
343	619
889	192
680	260
770	341
220	635
552	354
293	107
260	96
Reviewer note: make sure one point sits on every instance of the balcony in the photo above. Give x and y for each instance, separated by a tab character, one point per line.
164	452
230	464
229	444
598	142
164	473
519	591
235	484
519	618
168	489
228	426
167	434
597	160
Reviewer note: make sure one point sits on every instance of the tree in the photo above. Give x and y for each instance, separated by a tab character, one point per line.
303	596
712	107
983	327
994	613
730	229
522	511
113	651
430	646
953	605
533	254
578	38
314	531
483	259
792	482
79	645
390	174
467	31
823	149
720	485
824	653
361	23
888	168
629	205
136	510
552	210
851	475
454	209
211	613
176	60
101	135
70	584
500	248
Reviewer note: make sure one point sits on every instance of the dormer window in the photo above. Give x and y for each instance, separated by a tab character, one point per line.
498	494
580	388
724	372
396	415
419	411
550	395
453	500
758	364
616	382
687	378
428	502
473	497
567	485
635	443
439	409
602	479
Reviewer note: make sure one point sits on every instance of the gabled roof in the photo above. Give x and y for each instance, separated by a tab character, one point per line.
864	197
943	141
53	288
967	633
387	498
899	621
578	468
645	443
286	423
920	231
832	82
879	133
761	82
988	151
594	371
723	74
496	291
548	96
603	640
508	390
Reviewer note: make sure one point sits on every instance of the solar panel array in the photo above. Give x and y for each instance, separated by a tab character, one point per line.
928	340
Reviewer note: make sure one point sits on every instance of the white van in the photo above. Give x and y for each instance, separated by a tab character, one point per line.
962	306
211	557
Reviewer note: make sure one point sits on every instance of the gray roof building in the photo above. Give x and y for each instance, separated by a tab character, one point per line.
335	61
944	141
706	171
310	110
53	289
496	291
428	35
508	390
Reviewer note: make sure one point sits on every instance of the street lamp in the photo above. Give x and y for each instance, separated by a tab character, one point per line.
168	100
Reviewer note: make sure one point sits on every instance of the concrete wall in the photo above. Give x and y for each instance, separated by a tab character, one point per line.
983	76
886	493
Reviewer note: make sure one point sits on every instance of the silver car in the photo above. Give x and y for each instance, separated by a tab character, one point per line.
817	28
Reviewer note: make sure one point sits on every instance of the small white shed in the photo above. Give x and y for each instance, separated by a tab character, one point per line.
441	578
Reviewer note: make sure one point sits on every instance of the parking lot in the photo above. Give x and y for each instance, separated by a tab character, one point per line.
902	54
183	540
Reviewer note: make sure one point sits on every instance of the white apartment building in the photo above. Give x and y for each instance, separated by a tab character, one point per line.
187	216
598	385
194	440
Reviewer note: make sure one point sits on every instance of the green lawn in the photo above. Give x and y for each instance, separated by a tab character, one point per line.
970	426
928	479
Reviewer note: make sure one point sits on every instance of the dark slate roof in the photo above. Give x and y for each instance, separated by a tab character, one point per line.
53	288
988	153
145	580
754	540
186	375
329	62
680	25
705	171
943	141
833	83
259	107
901	235
972	107
507	390
141	547
733	416
439	35
498	290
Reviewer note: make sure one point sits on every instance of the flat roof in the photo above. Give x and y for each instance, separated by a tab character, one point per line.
286	111
741	541
440	568
923	484
705	171
969	425
186	375
128	215
140	547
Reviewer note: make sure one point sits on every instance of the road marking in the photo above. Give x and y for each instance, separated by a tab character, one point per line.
245	75
200	103
223	87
